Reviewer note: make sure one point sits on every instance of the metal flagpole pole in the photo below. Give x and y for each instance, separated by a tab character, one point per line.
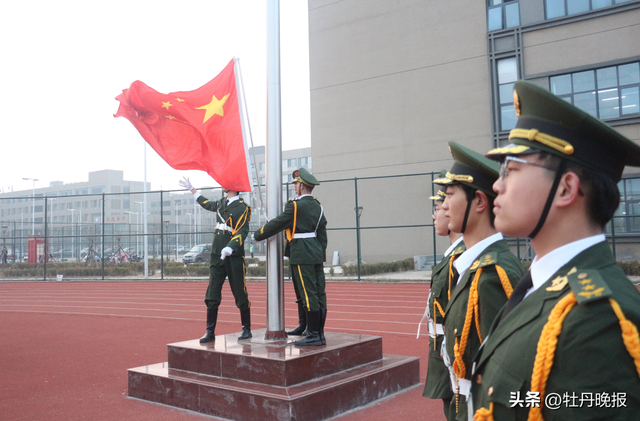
275	274
146	244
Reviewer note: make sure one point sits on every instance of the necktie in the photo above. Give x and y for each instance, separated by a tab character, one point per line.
454	280
518	294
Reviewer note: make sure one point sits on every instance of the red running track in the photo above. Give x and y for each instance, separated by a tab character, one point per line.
66	346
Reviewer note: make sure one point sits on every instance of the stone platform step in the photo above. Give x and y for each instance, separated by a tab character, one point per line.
274	380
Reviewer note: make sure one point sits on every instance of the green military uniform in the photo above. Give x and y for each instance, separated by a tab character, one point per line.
584	363
231	230
497	270
590	356
303	219
437	384
492	295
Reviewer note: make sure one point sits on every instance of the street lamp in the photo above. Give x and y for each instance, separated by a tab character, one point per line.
33	208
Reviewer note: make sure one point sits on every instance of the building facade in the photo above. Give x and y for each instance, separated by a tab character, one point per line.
393	82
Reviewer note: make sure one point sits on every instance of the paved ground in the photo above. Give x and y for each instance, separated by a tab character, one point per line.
66	346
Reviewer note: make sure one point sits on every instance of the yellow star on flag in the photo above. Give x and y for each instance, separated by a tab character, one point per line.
167	105
179	100
213	108
170	117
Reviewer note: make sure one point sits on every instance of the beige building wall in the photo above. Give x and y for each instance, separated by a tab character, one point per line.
391	84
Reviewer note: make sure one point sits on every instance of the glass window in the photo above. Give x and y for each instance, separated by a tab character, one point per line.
607	78
261	167
555	8
584	81
561	85
494	19
577	6
629	73
508	117
512	15
507	70
586	102
598	4
608	103
630	100
506	93
605	93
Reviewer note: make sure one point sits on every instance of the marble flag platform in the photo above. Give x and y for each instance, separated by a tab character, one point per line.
260	379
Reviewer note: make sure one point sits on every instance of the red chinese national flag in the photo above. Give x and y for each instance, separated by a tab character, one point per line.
196	130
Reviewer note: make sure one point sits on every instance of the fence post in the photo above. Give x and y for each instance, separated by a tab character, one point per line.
161	237
358	210
613	237
103	249
46	240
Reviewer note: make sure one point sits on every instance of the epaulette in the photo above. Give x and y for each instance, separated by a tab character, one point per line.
458	250
488	259
587	285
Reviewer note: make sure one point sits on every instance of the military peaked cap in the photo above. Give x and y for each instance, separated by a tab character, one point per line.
471	169
305	177
550	124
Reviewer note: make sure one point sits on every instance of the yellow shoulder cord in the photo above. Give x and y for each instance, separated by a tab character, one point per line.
290	231
450	275
547	347
458	348
504	280
241	221
436	305
629	335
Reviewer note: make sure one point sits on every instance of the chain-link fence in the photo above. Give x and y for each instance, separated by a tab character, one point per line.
377	219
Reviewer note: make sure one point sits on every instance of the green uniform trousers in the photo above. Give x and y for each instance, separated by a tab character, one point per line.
233	267
309	285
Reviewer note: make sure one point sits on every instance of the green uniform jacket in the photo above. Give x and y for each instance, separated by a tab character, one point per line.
309	218
437	384
491	298
590	355
236	216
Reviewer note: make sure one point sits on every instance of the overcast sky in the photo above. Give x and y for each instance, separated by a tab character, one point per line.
64	62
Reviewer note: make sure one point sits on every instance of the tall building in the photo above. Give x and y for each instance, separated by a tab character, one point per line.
393	82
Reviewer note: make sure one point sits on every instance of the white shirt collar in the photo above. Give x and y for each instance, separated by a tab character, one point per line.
453	246
233	199
542	269
465	260
304	195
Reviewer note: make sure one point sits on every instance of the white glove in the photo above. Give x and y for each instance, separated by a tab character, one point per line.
186	183
227	251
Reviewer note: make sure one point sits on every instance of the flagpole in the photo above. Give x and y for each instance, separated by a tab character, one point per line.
275	273
146	244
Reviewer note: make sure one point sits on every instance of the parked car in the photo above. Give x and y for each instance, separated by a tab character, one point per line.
198	254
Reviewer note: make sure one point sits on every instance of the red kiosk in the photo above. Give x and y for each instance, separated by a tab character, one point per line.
36	249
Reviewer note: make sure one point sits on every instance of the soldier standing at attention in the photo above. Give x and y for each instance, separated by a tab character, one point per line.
306	235
437	384
487	270
566	346
227	257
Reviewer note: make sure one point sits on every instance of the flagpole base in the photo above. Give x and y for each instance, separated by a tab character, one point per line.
275	335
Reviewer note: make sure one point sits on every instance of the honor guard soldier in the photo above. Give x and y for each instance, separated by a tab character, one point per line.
486	271
437	384
227	257
306	244
566	346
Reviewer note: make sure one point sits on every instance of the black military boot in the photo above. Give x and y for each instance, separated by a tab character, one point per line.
302	322
212	318
245	319
323	318
313	330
